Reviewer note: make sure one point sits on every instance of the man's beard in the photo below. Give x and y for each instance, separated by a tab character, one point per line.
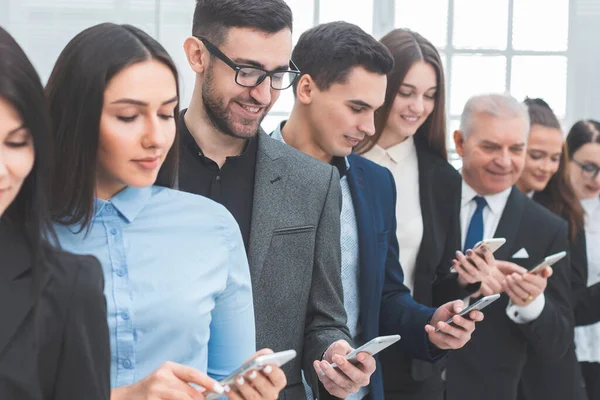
216	112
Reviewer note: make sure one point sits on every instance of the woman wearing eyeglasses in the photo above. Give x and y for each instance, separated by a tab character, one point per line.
180	309
583	144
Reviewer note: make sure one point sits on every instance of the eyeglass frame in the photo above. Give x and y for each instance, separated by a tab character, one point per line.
583	171
214	50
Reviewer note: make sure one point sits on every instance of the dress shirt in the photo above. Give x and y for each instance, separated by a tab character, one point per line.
587	338
177	282
492	213
232	185
350	272
401	159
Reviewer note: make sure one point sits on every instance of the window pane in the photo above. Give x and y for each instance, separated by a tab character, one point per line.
541	76
532	31
473	75
480	24
304	14
427	17
359	12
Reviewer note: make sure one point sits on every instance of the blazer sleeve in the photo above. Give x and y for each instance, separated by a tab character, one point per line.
84	363
551	334
326	316
585	299
400	313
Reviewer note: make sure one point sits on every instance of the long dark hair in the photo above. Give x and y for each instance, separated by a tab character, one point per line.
20	85
558	195
583	132
407	48
75	92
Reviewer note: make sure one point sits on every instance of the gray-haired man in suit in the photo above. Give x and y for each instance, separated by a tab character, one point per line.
286	203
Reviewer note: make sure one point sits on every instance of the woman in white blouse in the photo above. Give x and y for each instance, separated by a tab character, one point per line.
410	140
583	143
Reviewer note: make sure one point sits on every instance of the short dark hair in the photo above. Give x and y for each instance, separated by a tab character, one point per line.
328	52
20	86
213	18
75	92
540	113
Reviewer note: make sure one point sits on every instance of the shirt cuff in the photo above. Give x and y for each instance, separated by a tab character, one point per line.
528	313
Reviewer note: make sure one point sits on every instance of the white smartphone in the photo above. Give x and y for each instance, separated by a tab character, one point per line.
372	347
492	245
548	262
479	305
257	363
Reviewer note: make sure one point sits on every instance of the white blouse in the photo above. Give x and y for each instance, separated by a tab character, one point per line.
587	338
401	160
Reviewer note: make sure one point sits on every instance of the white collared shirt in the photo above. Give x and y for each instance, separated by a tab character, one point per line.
492	213
401	160
587	337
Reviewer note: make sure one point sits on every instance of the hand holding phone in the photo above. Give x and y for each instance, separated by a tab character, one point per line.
372	347
492	245
479	305
548	262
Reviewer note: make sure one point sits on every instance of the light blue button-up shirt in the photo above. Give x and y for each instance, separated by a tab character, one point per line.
177	282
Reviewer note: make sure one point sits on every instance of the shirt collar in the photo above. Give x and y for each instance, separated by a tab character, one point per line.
495	202
590	205
341	163
129	202
400	151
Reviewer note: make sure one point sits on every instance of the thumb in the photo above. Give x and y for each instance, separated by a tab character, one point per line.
456	306
547	272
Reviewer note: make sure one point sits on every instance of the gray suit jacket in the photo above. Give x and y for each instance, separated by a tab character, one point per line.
294	256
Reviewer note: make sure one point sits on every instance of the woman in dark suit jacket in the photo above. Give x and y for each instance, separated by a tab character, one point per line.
410	140
544	178
53	335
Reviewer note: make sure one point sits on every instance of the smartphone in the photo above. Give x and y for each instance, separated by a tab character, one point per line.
372	347
257	363
479	305
548	262
492	245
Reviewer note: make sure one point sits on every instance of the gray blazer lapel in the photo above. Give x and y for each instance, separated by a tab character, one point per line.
269	187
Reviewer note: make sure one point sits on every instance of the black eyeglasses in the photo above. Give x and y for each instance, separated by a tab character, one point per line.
249	76
588	170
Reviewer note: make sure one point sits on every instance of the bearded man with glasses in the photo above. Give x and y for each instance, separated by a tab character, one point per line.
286	203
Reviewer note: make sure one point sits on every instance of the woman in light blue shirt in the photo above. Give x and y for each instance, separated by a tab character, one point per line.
177	278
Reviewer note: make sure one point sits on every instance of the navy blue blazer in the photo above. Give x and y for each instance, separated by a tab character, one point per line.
386	305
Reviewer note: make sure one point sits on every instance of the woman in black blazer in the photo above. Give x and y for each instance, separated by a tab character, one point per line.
545	178
53	331
410	140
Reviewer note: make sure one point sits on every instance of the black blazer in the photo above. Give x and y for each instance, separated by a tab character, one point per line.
56	347
491	365
434	285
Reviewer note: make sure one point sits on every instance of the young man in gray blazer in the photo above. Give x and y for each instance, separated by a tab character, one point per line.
286	203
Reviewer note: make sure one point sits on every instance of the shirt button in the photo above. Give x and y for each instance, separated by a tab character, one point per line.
108	207
127	364
125	315
113	231
121	272
218	178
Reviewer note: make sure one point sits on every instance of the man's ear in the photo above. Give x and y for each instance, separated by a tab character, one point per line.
305	89
197	55
459	142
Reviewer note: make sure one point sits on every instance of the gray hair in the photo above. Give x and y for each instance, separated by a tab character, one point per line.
497	105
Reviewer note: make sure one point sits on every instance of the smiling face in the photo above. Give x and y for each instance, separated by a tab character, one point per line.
584	184
342	115
16	154
137	127
236	110
493	152
414	101
544	150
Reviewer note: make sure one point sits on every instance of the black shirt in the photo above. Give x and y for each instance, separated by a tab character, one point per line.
232	185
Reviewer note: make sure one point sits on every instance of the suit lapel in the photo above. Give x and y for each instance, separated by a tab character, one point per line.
367	236
508	227
267	204
16	300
